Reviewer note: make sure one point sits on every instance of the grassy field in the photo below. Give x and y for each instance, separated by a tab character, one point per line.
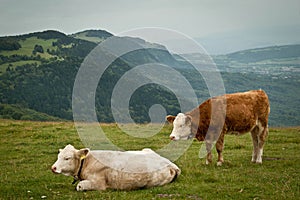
28	149
88	38
28	44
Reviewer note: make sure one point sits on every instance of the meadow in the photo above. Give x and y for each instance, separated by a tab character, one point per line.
27	45
28	149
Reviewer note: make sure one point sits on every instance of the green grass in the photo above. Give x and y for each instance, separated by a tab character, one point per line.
88	38
27	47
28	149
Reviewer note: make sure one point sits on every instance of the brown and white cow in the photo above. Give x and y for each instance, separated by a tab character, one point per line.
99	170
245	112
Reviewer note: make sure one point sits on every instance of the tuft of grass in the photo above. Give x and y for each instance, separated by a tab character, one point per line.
28	149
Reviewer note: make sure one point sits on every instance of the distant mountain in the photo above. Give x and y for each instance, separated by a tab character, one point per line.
38	70
273	59
233	41
266	54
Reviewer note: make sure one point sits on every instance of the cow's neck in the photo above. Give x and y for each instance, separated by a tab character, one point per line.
77	174
198	133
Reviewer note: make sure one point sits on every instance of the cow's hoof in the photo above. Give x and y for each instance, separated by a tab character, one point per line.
219	163
207	162
79	187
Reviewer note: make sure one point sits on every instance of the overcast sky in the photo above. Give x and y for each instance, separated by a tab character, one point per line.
196	18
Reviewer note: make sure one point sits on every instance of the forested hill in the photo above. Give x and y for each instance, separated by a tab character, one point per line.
37	73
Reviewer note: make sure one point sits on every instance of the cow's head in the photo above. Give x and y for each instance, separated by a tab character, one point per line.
68	160
182	125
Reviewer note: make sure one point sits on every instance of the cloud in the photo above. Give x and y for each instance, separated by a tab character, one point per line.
196	18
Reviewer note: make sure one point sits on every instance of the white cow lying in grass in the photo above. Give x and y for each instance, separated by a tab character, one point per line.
99	170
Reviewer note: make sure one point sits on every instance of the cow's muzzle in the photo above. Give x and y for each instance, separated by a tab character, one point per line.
172	137
53	169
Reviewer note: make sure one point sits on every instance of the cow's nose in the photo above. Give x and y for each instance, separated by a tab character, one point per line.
53	169
172	137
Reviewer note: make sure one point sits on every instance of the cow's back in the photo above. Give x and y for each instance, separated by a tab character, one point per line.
243	111
130	170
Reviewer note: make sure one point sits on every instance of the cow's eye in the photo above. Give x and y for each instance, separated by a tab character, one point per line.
67	158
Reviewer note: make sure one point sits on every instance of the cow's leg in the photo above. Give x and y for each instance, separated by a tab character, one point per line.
261	141
89	185
254	134
220	147
213	137
84	185
208	150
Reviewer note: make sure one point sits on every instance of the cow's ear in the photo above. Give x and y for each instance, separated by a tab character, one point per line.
188	119
82	153
170	119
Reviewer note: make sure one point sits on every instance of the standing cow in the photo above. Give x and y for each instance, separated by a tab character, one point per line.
99	170
236	113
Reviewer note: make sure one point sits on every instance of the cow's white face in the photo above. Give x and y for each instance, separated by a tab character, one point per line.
181	127
68	160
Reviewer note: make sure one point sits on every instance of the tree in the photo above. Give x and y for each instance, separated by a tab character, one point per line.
38	49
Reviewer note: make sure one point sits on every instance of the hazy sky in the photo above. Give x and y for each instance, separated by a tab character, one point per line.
196	18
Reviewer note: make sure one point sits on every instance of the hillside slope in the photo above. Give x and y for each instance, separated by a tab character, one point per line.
267	53
43	80
37	72
96	36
